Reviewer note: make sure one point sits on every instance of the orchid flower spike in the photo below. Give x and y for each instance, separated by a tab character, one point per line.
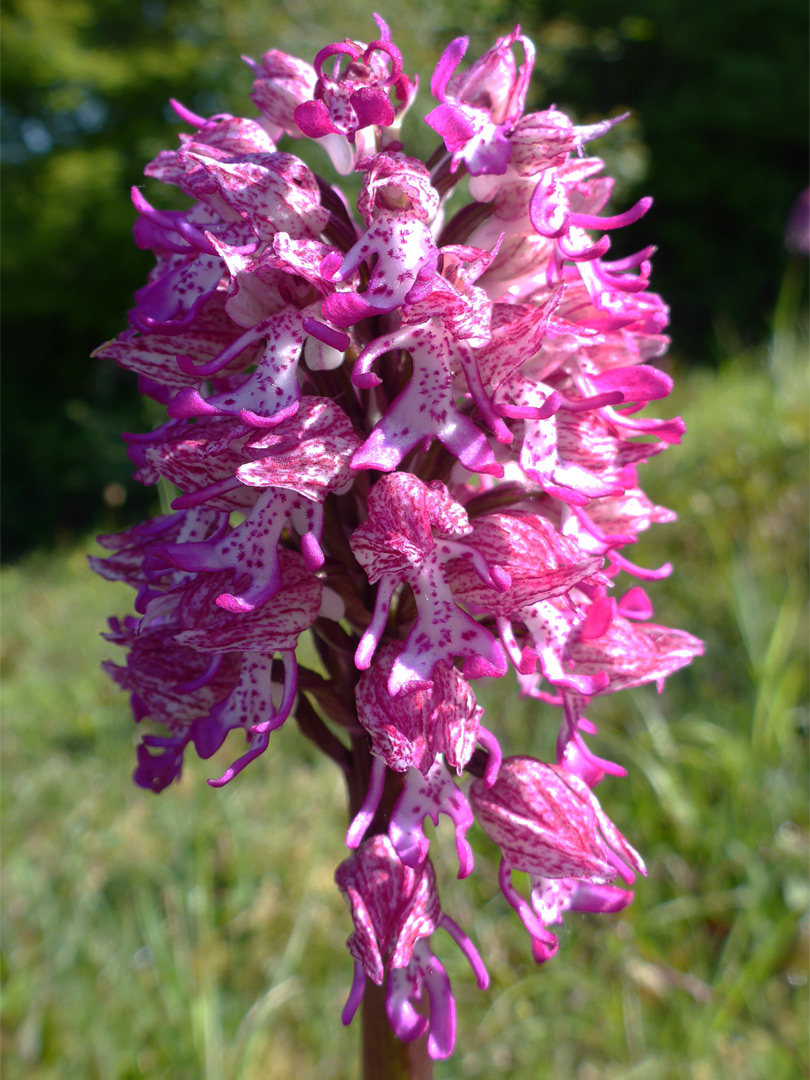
413	440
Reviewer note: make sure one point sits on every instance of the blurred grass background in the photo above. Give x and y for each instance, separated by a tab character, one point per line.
198	934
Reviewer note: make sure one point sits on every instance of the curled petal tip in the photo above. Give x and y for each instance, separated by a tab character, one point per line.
501	578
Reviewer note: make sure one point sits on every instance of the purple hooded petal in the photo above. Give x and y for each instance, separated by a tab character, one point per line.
402	248
409	731
392	906
282	82
311	454
273	193
540	562
547	822
171	301
631	655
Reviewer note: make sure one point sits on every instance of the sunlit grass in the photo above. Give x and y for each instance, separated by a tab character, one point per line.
198	934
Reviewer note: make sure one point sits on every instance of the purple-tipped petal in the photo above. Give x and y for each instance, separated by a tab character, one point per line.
355	994
364	816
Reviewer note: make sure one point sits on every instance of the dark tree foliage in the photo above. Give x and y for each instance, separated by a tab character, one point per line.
719	89
84	107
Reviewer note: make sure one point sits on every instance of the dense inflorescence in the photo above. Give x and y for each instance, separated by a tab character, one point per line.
415	436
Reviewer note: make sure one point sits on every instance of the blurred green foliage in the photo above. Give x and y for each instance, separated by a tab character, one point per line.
717	135
198	935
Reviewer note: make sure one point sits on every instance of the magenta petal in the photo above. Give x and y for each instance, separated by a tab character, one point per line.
635	604
392	905
448	62
208	735
442	1031
259	745
598	619
312	118
327	334
410	730
189	402
593	221
355	995
375	629
639	383
371	106
521	906
544	949
469	950
365	814
494	756
600	899
344	309
156	771
406	1022
452	125
491	158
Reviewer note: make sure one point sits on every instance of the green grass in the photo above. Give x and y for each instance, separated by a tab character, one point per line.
198	934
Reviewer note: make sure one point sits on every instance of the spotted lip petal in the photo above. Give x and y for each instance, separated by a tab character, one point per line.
427	408
266	396
396	544
171	301
251	550
428	796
